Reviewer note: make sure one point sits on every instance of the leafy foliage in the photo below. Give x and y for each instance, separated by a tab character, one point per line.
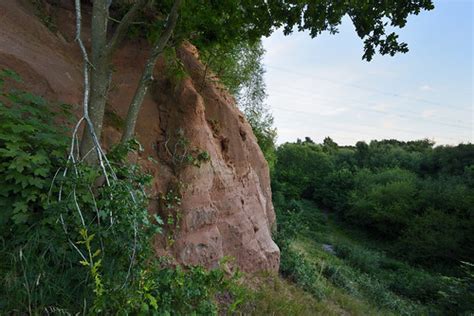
30	147
398	191
209	22
181	153
356	267
72	245
408	199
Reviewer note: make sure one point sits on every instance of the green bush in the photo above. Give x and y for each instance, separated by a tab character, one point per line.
299	167
383	201
71	245
293	265
32	147
334	190
360	258
188	291
433	235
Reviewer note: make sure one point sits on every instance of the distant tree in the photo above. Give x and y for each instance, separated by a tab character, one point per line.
329	144
383	201
362	152
417	198
301	167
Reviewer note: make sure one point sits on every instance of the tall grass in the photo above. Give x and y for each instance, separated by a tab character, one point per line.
362	272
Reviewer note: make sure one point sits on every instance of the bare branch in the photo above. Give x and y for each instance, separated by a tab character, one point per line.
74	160
85	104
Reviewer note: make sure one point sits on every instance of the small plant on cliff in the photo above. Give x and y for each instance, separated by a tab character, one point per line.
170	203
174	67
46	13
182	154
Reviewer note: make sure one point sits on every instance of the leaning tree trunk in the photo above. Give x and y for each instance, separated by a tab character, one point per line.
100	77
147	76
101	56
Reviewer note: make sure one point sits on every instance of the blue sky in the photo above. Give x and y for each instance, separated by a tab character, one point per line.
321	87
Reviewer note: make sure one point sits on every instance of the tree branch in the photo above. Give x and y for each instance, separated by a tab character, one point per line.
147	75
122	28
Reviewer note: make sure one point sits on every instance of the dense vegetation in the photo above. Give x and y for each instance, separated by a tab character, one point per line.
412	206
343	267
69	245
378	228
415	196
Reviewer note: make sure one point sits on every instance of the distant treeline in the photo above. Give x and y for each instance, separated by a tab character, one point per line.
417	197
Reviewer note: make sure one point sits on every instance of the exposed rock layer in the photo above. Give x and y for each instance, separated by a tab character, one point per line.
226	207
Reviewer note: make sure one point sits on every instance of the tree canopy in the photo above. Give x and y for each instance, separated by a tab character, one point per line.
416	196
208	23
205	22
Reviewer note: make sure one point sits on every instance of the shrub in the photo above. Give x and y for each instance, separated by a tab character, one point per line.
70	245
360	258
31	150
383	201
295	267
434	235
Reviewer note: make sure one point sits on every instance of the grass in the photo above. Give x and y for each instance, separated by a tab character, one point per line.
354	291
271	294
359	278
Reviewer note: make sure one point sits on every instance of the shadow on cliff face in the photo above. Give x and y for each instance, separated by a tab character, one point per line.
225	204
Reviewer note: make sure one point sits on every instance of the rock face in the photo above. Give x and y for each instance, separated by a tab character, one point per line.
224	206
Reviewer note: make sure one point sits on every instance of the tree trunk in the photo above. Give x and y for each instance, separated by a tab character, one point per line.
147	75
100	78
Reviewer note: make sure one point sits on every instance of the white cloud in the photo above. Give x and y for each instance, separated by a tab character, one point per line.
426	88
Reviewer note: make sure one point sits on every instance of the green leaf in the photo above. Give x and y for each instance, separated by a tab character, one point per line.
41	172
158	219
10	74
20	206
20	218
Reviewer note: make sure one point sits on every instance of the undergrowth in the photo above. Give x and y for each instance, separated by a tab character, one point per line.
360	278
70	244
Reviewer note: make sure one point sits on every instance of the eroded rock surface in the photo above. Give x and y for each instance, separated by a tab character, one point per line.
226	207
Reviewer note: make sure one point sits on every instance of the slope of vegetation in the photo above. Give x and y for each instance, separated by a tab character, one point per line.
397	227
396	191
345	266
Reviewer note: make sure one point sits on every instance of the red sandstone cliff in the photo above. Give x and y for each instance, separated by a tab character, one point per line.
226	207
